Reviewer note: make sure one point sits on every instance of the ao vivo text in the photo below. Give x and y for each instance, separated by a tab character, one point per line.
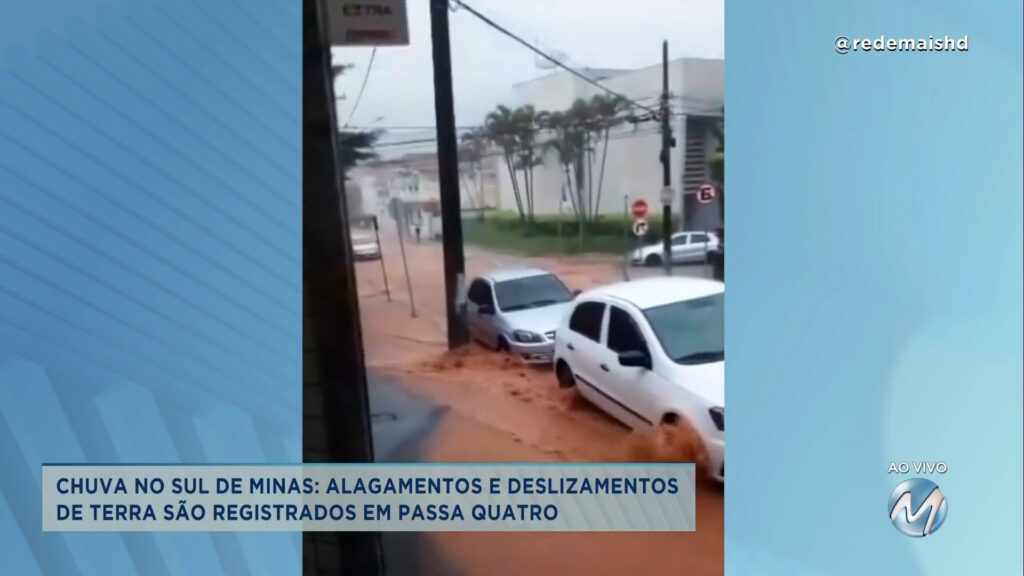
923	467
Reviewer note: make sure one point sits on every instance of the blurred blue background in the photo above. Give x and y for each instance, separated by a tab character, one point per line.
150	227
874	270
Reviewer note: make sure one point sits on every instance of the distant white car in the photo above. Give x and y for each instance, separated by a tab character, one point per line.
517	311
687	248
651	352
365	247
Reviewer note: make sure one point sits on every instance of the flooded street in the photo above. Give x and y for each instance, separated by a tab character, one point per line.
502	411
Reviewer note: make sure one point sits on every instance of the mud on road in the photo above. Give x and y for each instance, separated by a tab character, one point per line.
506	411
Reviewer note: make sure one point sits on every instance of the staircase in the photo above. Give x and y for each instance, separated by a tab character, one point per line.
695	159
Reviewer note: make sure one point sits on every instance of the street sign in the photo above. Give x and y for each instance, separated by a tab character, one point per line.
668	196
706	194
639	210
368	23
640	227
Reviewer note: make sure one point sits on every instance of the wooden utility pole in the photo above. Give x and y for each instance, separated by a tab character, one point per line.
667	143
448	176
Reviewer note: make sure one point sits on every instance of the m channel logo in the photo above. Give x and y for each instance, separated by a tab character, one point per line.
917	507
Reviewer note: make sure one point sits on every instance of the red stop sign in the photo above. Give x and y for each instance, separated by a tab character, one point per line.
639	209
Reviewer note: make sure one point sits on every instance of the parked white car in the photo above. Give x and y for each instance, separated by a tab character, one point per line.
651	352
517	311
687	248
365	247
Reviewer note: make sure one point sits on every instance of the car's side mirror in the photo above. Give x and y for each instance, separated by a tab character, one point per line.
486	310
576	293
635	359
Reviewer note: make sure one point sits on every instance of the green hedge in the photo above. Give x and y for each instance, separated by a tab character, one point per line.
505	231
612	225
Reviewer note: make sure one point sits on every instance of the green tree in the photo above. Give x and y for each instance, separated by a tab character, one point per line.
564	142
353	147
501	129
525	131
473	147
583	122
607	110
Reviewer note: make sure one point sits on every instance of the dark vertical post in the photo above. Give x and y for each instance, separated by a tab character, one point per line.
380	253
448	175
666	161
336	413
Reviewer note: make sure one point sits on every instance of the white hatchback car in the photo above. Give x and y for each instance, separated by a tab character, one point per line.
651	352
687	248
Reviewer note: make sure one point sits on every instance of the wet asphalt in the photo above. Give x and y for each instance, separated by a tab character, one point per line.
403	425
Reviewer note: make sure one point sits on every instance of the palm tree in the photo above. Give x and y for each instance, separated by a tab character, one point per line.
500	127
580	117
525	130
563	144
607	110
471	153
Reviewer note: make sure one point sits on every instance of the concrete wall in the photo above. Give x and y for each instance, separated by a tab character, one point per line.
633	165
632	168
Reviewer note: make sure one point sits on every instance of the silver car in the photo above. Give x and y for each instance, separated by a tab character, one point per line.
687	248
517	311
365	247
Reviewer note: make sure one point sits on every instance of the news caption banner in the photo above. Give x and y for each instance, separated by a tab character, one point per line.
377	497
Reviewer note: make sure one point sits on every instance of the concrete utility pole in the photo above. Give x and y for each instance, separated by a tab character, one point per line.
448	176
667	143
336	412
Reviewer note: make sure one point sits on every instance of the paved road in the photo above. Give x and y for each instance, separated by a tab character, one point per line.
402	425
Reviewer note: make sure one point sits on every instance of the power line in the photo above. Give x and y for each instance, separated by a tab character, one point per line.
418	141
407	128
551	59
366	77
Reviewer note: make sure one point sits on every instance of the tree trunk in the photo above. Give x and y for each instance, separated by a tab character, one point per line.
590	179
568	183
481	201
515	187
469	190
600	178
532	189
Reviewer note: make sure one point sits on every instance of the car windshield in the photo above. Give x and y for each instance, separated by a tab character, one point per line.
691	331
531	292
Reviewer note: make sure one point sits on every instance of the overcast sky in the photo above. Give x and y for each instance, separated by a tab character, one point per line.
593	33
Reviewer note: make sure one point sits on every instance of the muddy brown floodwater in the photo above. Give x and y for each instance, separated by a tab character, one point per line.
504	411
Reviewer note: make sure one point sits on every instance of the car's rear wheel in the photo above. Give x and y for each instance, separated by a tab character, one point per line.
653	260
565	376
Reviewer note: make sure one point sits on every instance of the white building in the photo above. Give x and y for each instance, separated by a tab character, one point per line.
633	166
412	179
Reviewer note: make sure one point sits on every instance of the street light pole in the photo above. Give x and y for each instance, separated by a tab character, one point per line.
448	176
667	143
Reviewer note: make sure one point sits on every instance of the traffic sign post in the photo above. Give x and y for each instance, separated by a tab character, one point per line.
706	194
639	209
640	227
668	196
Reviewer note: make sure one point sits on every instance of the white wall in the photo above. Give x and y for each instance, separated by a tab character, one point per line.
633	166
